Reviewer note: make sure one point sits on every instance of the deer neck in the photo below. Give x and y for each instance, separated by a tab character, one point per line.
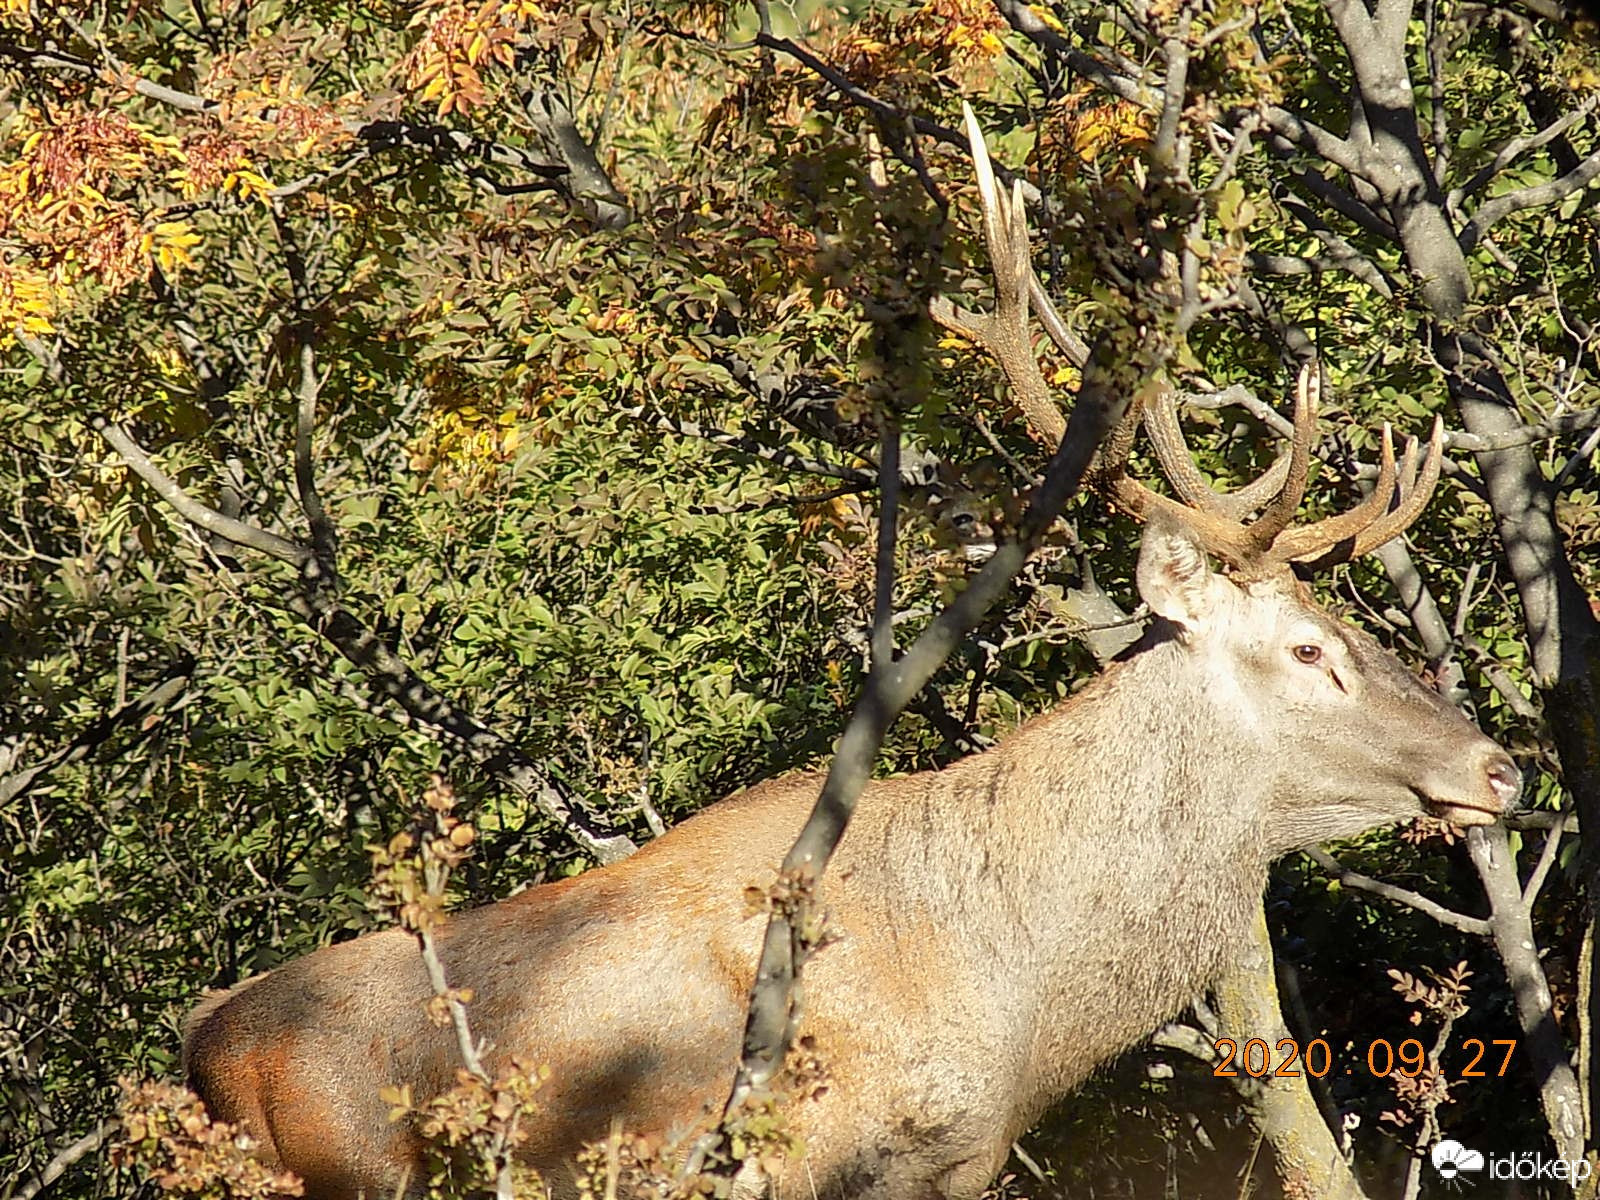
1070	850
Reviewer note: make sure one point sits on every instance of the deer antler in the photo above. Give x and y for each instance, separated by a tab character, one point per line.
1270	543
1264	546
1004	332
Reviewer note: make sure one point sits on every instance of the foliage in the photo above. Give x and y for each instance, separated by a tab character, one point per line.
169	1138
515	348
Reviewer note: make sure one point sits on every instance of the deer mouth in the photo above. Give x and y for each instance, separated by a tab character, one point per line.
1455	812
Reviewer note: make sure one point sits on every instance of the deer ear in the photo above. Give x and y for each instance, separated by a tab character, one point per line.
1174	578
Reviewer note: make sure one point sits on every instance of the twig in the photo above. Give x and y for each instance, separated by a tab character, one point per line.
65	1158
162	695
1541	869
1399	895
888	526
1515	147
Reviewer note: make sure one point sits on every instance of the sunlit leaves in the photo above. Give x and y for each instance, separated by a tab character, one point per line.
1084	128
65	210
912	51
460	40
171	242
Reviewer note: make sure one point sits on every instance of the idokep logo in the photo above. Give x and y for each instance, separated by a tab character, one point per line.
1451	1159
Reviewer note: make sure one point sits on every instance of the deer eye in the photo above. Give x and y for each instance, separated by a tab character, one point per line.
1308	654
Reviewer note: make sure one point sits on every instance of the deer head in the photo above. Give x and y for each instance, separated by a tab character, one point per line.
1300	674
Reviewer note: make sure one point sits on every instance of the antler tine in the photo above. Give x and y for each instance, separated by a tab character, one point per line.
1172	450
1004	332
1371	523
1280	510
1221	535
1246	499
999	215
1268	545
1416	491
1225	538
1325	536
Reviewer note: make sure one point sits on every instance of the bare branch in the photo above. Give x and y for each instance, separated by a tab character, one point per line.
1399	895
888	526
1542	818
1025	20
1436	40
1343	254
384	669
1541	869
1537	196
162	695
1339	199
322	570
1501	680
1515	147
1293	264
1539	431
324	535
1313	139
190	509
1164	147
65	1158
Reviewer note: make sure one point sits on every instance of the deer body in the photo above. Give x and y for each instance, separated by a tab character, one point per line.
1005	923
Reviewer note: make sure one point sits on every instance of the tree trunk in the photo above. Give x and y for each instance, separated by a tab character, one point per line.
1284	1112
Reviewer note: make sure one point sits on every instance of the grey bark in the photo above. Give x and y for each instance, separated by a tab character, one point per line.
586	182
1510	920
1283	1110
1563	635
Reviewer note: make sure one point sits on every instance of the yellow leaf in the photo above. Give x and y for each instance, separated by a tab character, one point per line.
1044	13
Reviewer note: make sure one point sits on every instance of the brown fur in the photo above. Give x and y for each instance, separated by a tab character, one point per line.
1005	923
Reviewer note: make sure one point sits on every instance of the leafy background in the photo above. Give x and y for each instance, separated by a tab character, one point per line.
513	364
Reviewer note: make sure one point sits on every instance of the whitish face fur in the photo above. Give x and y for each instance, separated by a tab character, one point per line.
1363	741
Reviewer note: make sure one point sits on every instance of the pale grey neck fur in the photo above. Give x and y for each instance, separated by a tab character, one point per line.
1020	855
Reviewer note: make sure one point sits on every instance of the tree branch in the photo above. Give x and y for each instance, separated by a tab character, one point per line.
1399	895
142	712
791	929
65	1158
1497	209
1514	148
384	670
1539	431
1023	18
190	509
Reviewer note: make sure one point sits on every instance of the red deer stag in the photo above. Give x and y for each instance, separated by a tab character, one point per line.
1005	923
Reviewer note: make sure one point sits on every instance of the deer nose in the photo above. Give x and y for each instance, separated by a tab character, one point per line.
1504	779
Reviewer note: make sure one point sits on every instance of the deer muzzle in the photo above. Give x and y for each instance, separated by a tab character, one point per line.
1496	784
